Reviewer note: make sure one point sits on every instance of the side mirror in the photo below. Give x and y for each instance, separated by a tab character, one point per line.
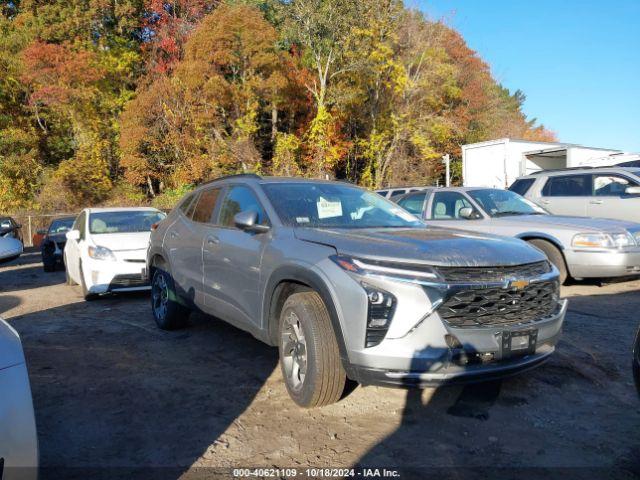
468	213
247	221
42	231
73	235
632	190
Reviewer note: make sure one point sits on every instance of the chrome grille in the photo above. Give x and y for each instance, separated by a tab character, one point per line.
478	307
493	274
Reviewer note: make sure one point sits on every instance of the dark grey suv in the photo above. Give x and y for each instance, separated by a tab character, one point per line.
349	285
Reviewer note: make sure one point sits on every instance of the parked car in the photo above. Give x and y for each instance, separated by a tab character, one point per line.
579	247
10	228
636	361
391	193
349	285
18	439
53	242
607	192
106	249
10	249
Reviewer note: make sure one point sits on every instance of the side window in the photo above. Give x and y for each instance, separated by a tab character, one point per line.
447	206
413	203
79	224
568	186
186	203
395	193
205	206
522	186
610	185
240	199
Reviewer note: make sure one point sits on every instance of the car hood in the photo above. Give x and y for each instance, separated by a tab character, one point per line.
10	347
583	224
119	242
432	246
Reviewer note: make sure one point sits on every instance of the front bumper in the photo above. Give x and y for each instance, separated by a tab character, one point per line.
103	276
603	263
417	359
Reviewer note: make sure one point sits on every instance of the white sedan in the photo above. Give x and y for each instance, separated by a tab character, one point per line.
18	438
106	249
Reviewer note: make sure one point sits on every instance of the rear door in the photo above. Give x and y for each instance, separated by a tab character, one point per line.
609	199
183	242
232	260
567	194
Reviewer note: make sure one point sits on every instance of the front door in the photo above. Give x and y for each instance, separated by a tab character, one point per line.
232	260
72	248
610	200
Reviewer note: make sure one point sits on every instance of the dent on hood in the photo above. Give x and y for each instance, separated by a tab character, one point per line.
439	247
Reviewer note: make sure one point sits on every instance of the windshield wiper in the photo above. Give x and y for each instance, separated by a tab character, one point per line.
508	213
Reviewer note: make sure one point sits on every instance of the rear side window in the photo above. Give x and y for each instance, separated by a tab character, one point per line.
186	203
240	199
206	205
568	186
395	193
522	186
413	203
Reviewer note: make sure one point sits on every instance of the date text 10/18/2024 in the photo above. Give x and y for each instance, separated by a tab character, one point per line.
316	472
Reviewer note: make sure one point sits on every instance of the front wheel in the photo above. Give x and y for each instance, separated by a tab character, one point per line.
554	255
168	313
309	354
88	296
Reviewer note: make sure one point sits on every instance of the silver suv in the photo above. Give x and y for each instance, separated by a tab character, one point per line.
604	192
349	285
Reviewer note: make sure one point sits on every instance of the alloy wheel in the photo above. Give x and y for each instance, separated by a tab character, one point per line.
294	351
160	296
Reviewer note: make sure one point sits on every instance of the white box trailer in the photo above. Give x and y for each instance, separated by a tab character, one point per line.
497	163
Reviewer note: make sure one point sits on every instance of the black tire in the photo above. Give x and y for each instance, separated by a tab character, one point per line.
88	296
323	380
554	255
167	310
49	267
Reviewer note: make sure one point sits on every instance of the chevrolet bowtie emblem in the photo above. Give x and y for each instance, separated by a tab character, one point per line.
519	284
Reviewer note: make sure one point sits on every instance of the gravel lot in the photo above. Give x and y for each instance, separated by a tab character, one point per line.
112	393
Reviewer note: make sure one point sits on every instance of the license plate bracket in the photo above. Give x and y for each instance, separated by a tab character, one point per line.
519	343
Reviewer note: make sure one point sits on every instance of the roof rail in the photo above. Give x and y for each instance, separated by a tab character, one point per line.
540	172
236	175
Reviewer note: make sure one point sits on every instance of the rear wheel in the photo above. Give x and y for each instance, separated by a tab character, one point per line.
168	312
309	354
554	255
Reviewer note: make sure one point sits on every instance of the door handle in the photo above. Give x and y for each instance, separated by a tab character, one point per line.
174	235
212	240
546	202
596	202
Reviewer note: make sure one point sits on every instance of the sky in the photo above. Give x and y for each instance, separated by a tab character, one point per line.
577	61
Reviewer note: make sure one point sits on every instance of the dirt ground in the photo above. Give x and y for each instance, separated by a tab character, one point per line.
114	395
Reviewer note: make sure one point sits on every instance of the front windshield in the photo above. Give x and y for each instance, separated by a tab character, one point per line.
501	203
332	205
128	221
61	225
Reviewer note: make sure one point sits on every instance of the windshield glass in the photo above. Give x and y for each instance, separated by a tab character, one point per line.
500	203
123	222
60	225
327	205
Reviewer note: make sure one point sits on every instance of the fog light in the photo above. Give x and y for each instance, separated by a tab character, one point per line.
381	305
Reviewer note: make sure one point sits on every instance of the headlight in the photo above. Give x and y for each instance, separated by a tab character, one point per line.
101	253
603	240
386	269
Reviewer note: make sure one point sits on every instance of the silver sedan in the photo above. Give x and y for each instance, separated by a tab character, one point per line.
18	440
580	247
